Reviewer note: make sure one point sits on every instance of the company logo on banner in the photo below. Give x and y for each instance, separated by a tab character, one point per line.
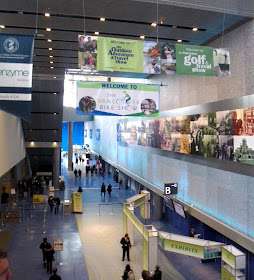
117	99
16	54
135	56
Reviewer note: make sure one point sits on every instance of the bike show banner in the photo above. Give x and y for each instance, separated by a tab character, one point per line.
117	99
16	65
136	56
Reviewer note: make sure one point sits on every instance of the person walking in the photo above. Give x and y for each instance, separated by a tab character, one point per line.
128	273
109	189
44	245
157	273
55	276
126	245
75	173
49	252
56	203
80	189
103	189
5	272
79	173
51	203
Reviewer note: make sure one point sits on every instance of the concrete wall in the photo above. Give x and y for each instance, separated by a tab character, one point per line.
225	195
12	147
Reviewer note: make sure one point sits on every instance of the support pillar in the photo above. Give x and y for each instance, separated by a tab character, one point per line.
70	146
158	206
56	167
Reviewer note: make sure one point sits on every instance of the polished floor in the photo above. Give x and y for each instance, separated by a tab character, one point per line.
92	249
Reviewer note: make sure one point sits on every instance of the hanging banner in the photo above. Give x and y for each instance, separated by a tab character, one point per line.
16	65
136	56
117	99
194	60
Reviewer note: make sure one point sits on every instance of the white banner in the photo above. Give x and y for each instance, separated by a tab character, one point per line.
16	96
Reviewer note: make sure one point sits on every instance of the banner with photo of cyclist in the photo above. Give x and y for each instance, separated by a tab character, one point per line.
117	99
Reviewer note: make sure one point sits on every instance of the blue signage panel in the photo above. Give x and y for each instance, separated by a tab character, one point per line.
16	66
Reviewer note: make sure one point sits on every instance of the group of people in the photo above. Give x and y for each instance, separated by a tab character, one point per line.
103	189
77	173
54	203
128	273
48	257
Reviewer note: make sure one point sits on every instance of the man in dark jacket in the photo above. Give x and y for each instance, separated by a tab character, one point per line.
55	276
44	245
126	245
157	273
49	253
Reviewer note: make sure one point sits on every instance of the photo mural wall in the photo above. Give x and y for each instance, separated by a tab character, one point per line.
225	135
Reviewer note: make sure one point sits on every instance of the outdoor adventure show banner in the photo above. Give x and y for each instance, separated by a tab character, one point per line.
16	65
117	99
136	56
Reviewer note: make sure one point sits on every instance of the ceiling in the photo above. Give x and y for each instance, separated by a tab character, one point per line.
124	19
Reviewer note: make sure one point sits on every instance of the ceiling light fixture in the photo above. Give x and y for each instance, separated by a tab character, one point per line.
54	113
179	41
154	24
49	40
48	29
54	94
96	33
142	37
102	19
51	67
51	62
194	29
161	22
2	26
54	77
50	56
50	49
47	14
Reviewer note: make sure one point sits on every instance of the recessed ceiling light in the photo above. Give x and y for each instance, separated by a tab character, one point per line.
54	113
2	26
54	94
51	62
102	19
50	49
154	24
47	14
142	37
96	33
51	67
179	41
50	56
194	29
54	77
32	142
161	22
54	142
49	40
48	29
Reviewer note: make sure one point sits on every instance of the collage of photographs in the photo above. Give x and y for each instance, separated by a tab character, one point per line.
224	135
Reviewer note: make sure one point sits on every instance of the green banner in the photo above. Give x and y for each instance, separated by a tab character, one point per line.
145	254
184	248
194	60
225	275
227	257
120	55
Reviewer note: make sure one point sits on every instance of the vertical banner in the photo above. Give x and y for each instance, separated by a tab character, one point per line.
77	202
120	55
16	65
194	60
87	52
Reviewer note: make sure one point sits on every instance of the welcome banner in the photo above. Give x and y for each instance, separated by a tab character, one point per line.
16	56
136	56
117	99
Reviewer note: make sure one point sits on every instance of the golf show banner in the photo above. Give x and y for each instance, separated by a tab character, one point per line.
194	60
117	99
16	65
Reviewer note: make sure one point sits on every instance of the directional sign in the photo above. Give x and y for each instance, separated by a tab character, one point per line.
170	188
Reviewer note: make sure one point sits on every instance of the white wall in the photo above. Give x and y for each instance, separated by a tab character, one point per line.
12	145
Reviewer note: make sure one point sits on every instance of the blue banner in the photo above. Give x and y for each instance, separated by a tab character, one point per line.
16	66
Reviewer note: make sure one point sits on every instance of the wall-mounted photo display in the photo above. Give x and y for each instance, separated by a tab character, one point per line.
224	135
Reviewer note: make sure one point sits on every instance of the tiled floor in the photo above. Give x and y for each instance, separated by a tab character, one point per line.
91	241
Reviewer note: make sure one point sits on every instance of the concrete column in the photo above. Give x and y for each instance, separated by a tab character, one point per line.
56	167
70	147
158	206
